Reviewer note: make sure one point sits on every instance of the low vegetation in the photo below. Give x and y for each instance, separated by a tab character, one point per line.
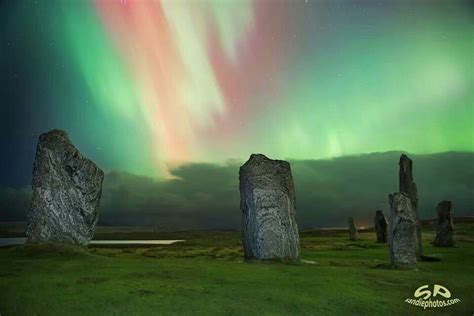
206	274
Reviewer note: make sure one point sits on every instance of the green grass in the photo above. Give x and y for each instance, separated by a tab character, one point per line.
206	275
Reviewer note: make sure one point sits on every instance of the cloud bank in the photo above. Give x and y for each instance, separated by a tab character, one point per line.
206	196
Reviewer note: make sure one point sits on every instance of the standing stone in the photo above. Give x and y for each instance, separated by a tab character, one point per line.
66	192
352	229
406	183
444	226
402	231
380	226
267	201
408	186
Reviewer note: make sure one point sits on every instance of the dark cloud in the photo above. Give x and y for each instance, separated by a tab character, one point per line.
331	190
207	195
203	195
13	203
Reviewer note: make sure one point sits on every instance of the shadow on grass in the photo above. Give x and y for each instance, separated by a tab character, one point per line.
285	261
430	259
92	280
51	250
143	292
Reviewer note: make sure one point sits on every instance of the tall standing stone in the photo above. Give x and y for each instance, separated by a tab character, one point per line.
66	192
444	225
402	231
352	229
380	226
267	201
408	186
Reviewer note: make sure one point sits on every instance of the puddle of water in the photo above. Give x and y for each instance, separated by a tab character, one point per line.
12	241
21	241
133	242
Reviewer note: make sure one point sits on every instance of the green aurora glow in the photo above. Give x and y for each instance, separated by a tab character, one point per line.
139	86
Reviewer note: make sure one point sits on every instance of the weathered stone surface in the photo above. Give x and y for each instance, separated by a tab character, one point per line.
66	192
408	186
444	225
380	226
352	229
267	201
406	183
402	231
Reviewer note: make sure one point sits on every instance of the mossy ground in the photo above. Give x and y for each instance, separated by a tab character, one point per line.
206	275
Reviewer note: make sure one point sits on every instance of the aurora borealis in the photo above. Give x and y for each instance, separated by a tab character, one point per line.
170	97
142	85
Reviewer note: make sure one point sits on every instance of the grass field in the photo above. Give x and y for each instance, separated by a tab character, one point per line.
206	275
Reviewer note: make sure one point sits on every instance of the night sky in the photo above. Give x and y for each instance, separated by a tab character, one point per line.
145	87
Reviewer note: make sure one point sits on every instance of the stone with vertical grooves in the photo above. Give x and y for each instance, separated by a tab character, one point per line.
402	231
380	226
408	186
352	229
444	225
267	202
66	192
